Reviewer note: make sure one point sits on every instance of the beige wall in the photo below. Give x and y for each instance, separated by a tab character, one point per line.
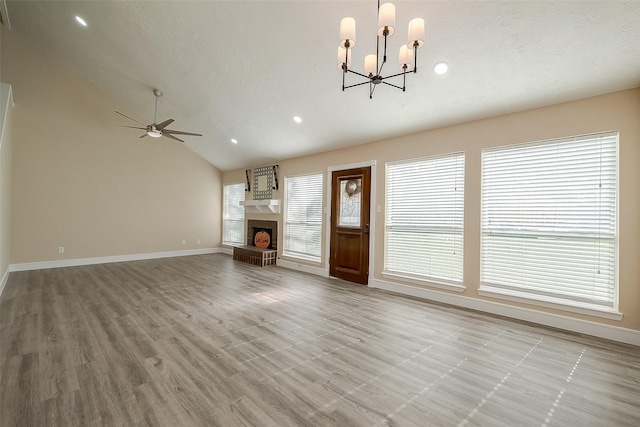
615	111
6	120
97	190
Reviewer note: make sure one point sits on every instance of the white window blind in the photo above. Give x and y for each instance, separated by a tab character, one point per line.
549	219
303	216
233	222
425	218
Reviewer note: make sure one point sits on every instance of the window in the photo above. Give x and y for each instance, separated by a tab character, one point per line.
549	220
303	217
424	218
233	223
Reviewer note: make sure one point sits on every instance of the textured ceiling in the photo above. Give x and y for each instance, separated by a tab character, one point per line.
243	69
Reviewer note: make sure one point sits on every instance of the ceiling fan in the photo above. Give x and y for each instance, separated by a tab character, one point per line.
155	129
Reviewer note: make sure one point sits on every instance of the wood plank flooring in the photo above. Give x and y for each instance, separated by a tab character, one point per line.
205	341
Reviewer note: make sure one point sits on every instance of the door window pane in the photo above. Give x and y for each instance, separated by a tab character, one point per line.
350	201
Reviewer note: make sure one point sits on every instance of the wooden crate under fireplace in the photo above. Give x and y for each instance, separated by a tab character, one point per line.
255	256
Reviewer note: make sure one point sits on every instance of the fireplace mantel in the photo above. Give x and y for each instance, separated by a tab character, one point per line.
261	206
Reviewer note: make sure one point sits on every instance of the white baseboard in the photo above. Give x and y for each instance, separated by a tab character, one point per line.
292	265
614	333
226	250
108	259
5	277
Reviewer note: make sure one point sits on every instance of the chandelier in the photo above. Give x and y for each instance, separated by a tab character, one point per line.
407	59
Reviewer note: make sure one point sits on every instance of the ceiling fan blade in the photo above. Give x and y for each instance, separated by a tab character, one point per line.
171	136
123	126
164	124
124	115
143	135
179	132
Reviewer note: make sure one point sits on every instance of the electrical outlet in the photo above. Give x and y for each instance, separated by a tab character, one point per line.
61	249
198	241
184	242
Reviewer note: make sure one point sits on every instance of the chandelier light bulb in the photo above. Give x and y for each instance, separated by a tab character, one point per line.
347	32
344	54
371	65
386	19
405	58
416	32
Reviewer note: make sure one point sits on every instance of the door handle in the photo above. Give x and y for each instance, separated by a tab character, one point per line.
366	229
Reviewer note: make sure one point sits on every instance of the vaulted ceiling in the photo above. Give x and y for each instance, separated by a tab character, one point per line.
243	69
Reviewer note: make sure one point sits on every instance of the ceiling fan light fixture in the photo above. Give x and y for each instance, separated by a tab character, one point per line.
154	133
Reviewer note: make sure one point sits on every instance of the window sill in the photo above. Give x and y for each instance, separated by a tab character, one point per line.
423	281
550	302
300	257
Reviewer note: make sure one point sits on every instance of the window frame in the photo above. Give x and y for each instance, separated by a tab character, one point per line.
318	222
548	298
455	282
225	220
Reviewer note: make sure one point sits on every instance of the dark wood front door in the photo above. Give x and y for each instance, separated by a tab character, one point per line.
350	195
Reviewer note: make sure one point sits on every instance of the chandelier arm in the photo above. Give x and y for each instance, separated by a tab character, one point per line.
404	78
360	74
357	84
383	62
391	76
372	87
415	57
377	41
391	84
384	56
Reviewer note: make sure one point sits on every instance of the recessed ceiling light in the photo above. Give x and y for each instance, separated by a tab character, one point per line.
297	119
235	141
441	68
81	21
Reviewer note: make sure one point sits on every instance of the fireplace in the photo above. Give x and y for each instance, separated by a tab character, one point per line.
270	228
262	244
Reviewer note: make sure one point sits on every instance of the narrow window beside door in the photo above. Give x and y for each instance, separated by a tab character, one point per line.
303	217
425	219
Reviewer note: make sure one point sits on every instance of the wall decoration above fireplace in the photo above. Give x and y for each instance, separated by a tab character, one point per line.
265	180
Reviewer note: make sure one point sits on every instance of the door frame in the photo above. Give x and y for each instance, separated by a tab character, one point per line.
373	213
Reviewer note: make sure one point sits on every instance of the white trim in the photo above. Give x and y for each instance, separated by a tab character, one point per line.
227	250
302	257
108	259
550	302
352	166
615	333
424	282
3	282
372	212
298	266
270	206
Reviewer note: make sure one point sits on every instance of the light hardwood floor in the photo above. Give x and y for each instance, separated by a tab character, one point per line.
205	341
